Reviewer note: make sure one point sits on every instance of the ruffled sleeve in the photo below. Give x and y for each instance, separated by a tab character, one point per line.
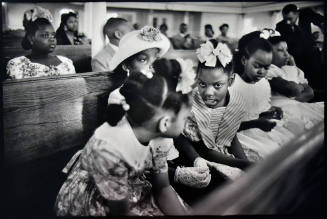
15	68
274	72
107	170
68	65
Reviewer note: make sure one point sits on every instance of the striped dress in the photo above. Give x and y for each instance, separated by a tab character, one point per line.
215	127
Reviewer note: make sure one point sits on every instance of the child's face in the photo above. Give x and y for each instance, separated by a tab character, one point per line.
256	66
280	54
212	85
177	125
44	39
142	62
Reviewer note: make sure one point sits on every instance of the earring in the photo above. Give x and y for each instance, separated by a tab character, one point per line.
126	69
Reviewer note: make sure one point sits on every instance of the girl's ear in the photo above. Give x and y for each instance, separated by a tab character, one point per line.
125	68
117	34
243	60
231	79
164	123
30	39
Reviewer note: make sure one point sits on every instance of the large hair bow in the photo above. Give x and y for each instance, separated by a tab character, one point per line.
187	76
208	54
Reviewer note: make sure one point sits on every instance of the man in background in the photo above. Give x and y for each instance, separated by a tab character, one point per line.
182	40
114	29
223	38
295	28
208	32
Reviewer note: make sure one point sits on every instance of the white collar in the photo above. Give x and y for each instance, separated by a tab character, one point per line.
182	34
122	140
114	47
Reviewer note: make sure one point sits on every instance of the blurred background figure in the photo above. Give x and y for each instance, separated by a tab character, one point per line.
208	32
223	38
296	29
163	29
114	29
136	26
67	33
182	40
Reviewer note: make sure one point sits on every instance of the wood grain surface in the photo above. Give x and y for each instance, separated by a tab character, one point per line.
42	116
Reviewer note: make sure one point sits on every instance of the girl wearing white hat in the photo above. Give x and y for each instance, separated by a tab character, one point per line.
137	51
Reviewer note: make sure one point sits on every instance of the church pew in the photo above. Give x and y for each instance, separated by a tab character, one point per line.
48	114
291	181
45	121
80	55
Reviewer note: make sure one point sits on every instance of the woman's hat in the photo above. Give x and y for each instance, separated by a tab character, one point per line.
136	41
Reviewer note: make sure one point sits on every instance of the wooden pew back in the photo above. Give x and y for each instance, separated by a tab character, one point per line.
42	116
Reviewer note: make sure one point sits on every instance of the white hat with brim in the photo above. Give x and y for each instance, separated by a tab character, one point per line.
135	42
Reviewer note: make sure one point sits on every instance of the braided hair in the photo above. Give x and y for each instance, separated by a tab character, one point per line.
145	96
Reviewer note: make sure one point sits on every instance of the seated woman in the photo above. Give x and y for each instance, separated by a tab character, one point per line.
67	33
283	75
40	38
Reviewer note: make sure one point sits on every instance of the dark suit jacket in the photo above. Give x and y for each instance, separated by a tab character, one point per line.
306	17
299	40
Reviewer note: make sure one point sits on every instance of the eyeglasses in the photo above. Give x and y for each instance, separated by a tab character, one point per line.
47	35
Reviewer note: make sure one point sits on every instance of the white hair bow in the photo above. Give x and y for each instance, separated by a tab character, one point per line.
207	53
187	76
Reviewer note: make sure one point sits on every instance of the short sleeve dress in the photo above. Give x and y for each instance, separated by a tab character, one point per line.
297	117
110	167
22	67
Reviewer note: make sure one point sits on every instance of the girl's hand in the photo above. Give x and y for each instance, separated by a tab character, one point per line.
200	162
265	124
197	177
228	171
273	113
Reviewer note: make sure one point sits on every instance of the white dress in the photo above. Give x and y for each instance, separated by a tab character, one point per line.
309	113
22	67
295	117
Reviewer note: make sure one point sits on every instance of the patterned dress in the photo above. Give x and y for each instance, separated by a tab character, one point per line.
296	117
22	67
111	167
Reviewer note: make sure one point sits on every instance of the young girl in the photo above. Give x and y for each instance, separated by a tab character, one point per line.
284	77
267	127
40	38
107	176
216	112
137	51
